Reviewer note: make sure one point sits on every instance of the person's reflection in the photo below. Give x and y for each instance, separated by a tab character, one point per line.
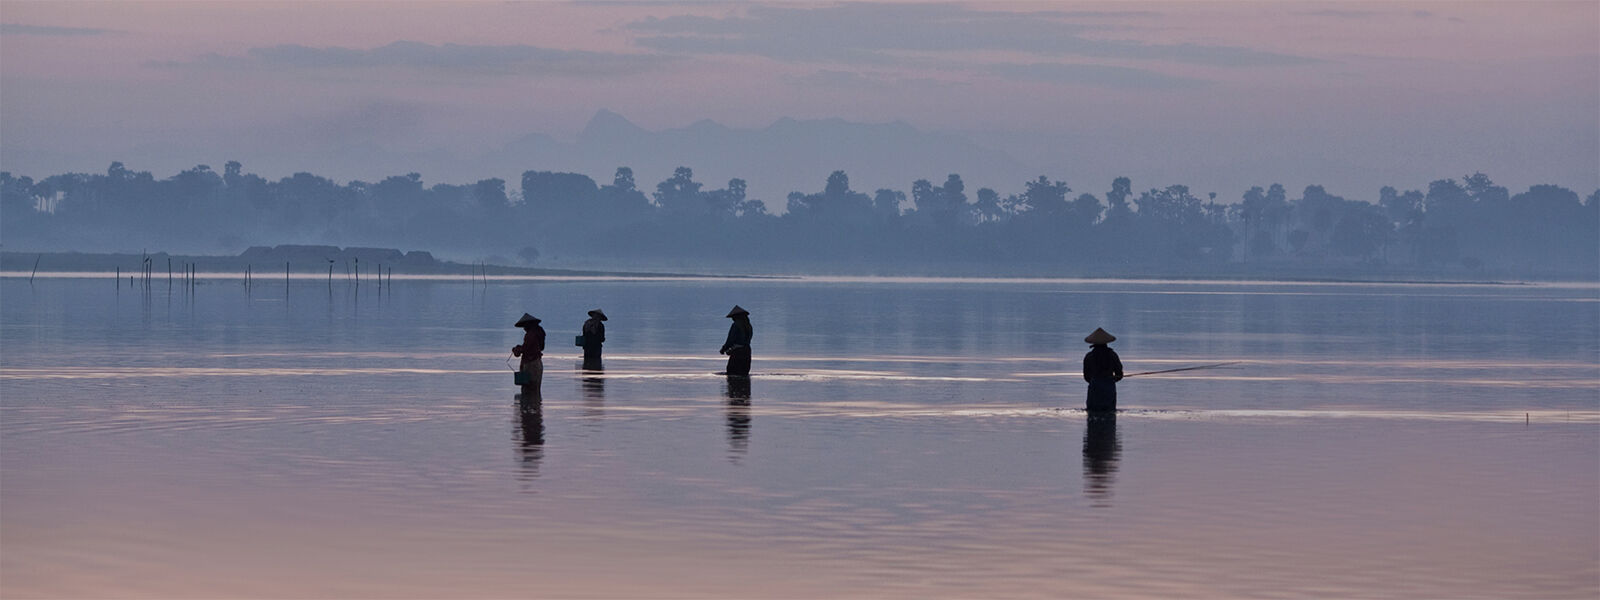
738	410
530	431
1102	449
594	395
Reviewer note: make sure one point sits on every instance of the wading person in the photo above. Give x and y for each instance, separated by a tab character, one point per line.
531	350
594	335
1102	369
738	345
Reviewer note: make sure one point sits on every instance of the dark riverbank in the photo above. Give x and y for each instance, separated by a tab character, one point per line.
267	261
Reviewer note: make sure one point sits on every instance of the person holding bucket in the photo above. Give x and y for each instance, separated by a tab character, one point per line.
531	350
1102	368
594	336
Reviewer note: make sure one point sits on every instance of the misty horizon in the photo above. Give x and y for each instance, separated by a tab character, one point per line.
1472	227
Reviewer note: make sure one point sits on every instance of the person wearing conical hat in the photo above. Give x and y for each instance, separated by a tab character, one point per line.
531	350
1102	368
737	347
594	335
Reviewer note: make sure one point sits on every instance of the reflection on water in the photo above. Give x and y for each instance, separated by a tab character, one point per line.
737	391
594	394
1102	453
529	431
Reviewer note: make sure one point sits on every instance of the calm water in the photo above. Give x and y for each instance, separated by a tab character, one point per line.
898	439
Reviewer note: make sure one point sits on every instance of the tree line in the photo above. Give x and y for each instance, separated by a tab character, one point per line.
1041	226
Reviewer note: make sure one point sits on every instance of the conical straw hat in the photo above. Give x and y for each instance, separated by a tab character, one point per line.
1100	337
737	311
526	320
597	314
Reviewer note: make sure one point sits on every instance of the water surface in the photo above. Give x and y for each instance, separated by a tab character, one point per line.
899	438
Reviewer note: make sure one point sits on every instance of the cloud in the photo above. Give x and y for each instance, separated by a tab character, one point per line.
1103	14
1093	75
20	29
886	33
1342	13
504	60
872	82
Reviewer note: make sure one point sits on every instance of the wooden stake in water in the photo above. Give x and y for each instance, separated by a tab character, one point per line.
35	269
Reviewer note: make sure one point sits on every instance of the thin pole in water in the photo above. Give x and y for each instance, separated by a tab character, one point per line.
119	277
35	269
1182	369
169	272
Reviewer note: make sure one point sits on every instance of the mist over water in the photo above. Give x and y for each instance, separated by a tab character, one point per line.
901	438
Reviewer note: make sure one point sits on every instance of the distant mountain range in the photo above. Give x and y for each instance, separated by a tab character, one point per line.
788	155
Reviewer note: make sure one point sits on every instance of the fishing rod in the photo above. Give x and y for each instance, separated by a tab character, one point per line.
1182	369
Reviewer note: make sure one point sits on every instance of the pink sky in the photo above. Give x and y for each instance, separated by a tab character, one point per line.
1217	95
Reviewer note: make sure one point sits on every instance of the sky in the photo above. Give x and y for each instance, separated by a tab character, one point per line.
1215	95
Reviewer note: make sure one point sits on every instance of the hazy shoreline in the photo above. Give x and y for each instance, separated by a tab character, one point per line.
15	264
27	263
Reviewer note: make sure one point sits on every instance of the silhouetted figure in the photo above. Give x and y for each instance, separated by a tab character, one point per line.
737	347
1102	369
531	350
594	335
738	410
530	431
1102	450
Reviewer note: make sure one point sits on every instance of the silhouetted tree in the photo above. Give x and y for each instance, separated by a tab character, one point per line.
886	204
988	206
837	203
679	193
1117	208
